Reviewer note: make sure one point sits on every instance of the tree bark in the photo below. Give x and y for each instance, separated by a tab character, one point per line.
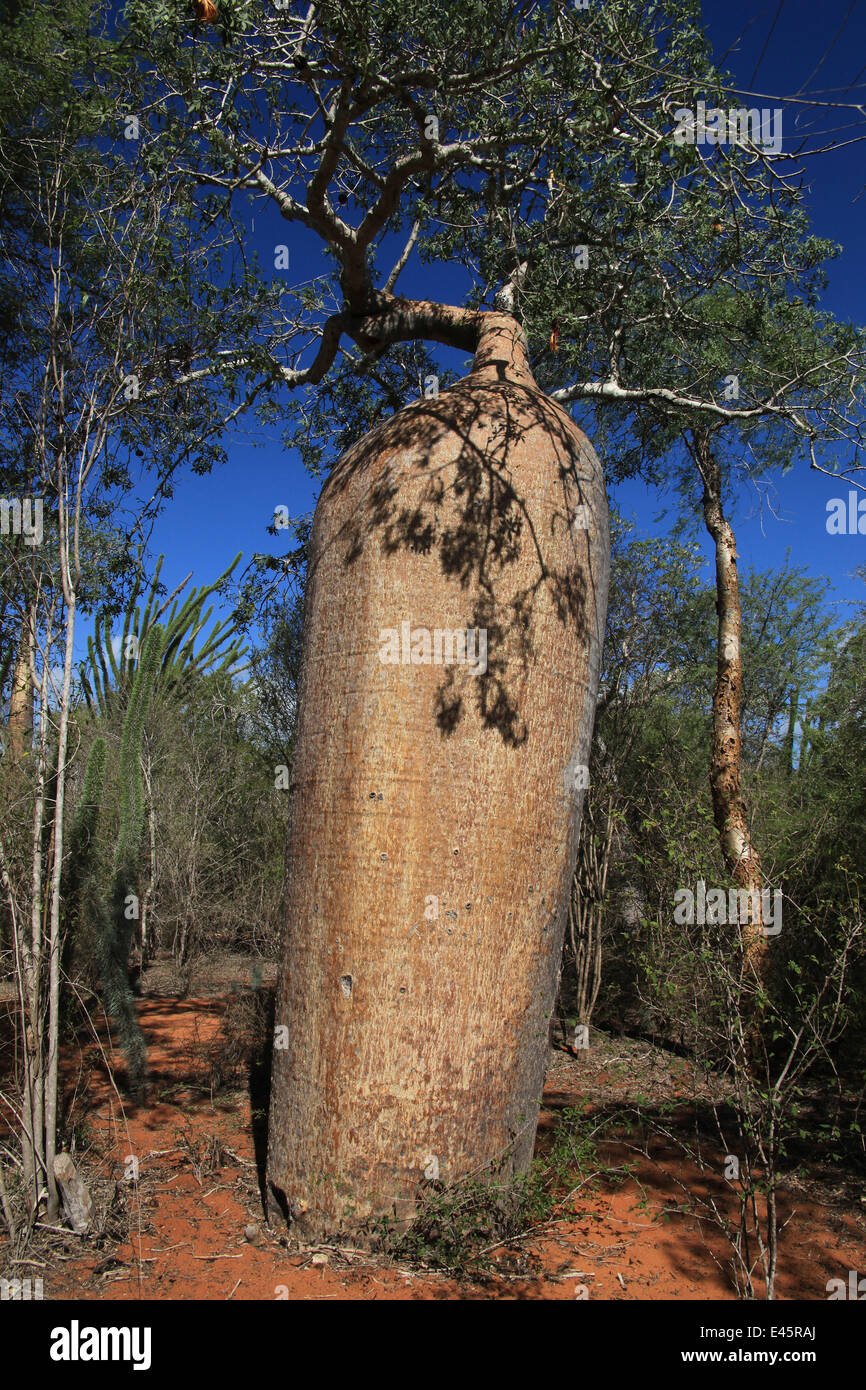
740	855
77	1201
29	967
586	910
20	724
54	934
435	808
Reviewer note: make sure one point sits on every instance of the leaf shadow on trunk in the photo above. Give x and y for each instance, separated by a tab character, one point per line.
476	512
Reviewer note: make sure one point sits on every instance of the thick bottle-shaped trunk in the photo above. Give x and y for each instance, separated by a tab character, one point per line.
435	804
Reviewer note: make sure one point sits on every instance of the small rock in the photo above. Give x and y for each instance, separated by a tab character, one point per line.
251	1233
320	1258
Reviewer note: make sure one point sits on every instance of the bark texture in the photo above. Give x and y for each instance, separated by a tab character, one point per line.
20	723
77	1201
741	856
435	807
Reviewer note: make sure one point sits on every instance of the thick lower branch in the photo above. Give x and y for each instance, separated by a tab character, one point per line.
397	320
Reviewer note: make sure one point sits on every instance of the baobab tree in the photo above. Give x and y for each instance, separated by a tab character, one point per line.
457	565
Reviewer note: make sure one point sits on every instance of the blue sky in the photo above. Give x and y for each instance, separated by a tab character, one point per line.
211	518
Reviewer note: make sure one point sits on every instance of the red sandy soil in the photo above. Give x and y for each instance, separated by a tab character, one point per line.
179	1231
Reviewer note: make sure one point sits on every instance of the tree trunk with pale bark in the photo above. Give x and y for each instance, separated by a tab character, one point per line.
435	807
740	854
19	728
